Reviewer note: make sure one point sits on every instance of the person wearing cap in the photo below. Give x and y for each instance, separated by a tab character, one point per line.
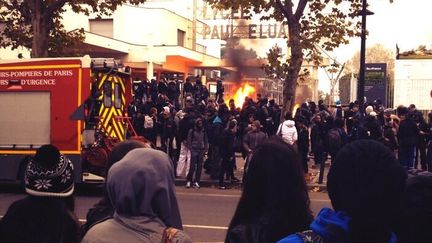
339	113
372	126
168	130
369	109
46	214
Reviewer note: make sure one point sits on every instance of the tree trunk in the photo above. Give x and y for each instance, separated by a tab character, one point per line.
295	63
40	27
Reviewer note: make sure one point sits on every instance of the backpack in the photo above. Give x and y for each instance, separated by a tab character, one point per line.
334	138
148	122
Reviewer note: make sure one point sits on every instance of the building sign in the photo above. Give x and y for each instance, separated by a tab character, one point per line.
236	23
249	31
376	82
34	77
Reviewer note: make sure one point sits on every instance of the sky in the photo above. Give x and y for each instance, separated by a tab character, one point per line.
406	23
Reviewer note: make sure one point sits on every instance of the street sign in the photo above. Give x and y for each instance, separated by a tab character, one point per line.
376	82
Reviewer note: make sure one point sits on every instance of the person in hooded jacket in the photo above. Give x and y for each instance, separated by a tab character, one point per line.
103	209
287	130
142	191
251	141
214	132
366	188
197	142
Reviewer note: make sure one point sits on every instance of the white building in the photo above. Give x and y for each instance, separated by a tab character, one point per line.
159	36
413	82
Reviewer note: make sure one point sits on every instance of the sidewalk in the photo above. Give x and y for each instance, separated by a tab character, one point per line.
312	183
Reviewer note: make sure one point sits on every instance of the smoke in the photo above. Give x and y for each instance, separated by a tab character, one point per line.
235	55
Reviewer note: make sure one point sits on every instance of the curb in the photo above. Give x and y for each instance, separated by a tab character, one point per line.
214	183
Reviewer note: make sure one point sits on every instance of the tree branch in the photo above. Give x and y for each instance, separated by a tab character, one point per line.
56	5
300	9
286	10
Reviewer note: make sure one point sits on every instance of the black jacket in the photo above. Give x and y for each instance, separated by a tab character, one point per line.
185	125
39	220
408	134
303	139
318	138
227	144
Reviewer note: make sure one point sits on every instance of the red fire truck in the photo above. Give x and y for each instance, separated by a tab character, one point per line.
77	104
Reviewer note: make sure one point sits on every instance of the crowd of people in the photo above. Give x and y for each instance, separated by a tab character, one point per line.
374	198
204	131
198	131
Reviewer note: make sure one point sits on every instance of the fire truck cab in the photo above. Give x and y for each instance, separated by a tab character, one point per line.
75	104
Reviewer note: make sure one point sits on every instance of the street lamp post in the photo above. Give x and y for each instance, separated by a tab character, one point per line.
361	82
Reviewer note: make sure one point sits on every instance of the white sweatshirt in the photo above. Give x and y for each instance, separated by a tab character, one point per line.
288	131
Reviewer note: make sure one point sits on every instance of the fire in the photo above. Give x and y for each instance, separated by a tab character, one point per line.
296	107
242	92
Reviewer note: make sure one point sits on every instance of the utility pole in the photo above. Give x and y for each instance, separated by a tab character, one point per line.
361	82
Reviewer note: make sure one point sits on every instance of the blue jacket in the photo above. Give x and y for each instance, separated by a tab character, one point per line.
327	219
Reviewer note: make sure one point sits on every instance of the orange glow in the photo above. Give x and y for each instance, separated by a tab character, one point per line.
245	90
295	108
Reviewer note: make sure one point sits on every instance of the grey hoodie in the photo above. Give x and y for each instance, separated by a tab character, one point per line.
141	189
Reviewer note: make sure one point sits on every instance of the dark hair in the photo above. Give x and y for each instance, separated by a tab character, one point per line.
274	189
366	182
402	110
40	219
288	115
121	149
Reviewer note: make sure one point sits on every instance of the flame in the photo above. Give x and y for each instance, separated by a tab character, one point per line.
242	92
296	107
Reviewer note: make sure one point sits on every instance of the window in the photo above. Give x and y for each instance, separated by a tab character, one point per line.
181	37
102	27
26	110
117	96
107	89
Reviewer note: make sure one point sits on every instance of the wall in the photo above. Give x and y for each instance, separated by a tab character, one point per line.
413	83
140	25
